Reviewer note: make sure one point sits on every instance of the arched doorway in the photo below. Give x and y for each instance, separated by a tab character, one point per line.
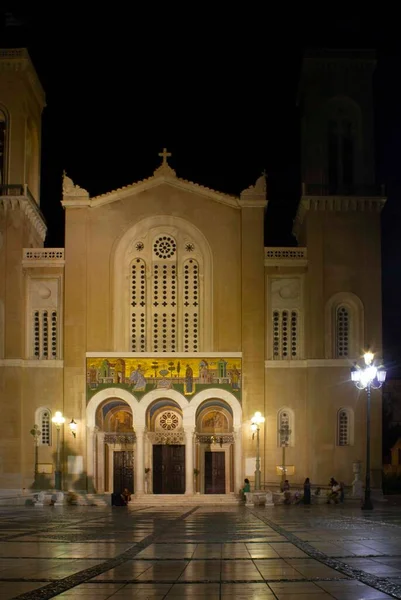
166	450
114	446
215	447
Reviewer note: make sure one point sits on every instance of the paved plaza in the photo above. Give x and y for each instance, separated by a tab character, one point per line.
200	552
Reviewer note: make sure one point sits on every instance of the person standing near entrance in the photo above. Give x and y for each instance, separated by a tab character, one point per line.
307	491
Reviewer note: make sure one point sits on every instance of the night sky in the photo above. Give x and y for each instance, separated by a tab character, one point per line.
218	89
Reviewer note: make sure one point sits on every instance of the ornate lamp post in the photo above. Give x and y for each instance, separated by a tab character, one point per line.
284	433
58	420
365	378
257	420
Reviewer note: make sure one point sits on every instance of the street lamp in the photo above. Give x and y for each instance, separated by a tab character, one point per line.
366	378
58	420
257	420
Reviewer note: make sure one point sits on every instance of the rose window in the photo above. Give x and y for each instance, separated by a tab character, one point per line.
169	421
164	247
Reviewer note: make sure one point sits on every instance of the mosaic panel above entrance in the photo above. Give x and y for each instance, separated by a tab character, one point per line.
142	375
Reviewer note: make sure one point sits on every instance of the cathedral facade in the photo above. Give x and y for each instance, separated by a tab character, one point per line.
164	323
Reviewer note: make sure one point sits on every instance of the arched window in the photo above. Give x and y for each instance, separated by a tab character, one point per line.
345	427
169	288
43	418
343	333
343	133
285	427
344	326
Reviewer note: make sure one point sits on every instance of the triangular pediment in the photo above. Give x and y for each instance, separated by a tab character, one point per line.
74	196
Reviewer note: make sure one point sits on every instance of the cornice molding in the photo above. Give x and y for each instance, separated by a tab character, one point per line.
309	363
31	363
29	208
373	204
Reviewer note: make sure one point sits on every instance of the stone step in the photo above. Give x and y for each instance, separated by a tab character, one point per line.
179	499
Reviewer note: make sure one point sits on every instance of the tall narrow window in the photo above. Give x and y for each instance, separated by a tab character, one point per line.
341	152
344	427
342	332
285	334
54	334
138	305
164	299
45	428
285	423
44	335
191	306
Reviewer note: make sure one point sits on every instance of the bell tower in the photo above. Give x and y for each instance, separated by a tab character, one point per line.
338	217
22	225
22	100
337	122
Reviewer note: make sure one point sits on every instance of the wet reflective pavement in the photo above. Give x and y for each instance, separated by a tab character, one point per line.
200	552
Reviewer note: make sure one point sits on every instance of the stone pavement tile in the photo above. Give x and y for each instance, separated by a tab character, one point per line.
271	570
11	589
328	549
292	588
163	570
142	591
168	551
246	591
235	550
239	570
351	590
211	591
202	570
208	551
391	561
127	571
288	550
261	551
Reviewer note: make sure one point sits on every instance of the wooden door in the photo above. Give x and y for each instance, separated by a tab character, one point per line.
168	469
215	472
123	471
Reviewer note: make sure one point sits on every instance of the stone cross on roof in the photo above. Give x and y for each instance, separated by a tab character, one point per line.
165	155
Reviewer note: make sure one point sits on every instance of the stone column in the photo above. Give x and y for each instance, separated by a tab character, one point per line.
148	464
189	462
238	484
100	462
139	464
90	459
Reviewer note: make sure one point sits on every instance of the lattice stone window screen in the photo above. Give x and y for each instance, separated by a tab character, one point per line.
285	334
45	428
342	332
165	306
44	343
191	306
164	299
343	428
138	305
284	428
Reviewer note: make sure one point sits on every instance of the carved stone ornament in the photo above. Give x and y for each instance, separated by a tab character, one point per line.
70	189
